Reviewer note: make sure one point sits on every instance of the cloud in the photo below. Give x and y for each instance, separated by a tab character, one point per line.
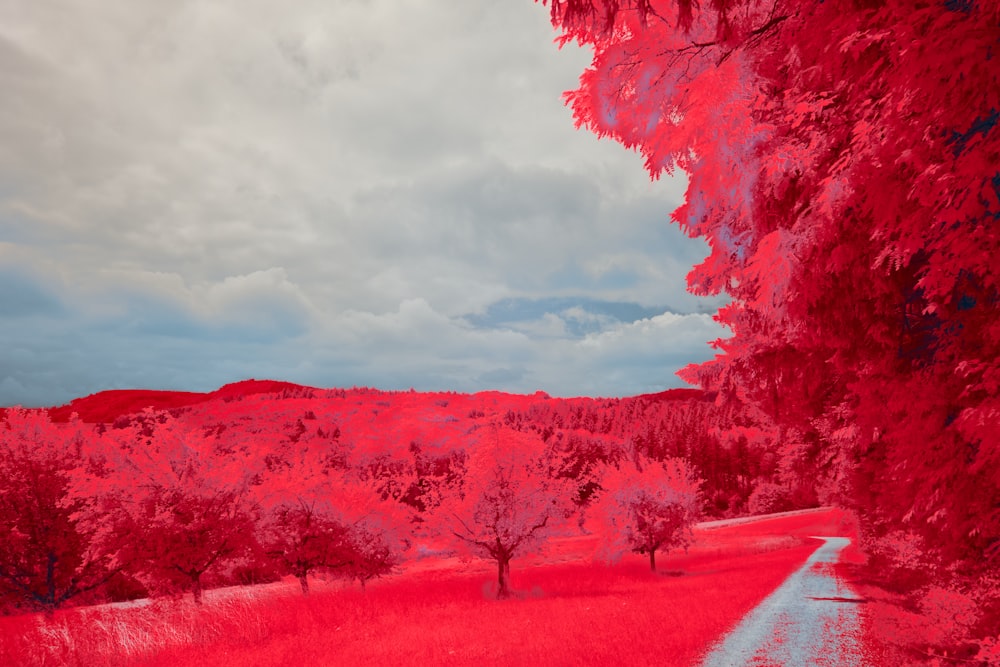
418	347
327	192
260	306
580	309
501	376
23	295
411	347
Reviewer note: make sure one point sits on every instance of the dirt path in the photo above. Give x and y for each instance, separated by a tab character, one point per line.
810	620
726	523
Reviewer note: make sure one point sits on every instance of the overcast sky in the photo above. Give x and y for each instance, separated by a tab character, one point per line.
384	193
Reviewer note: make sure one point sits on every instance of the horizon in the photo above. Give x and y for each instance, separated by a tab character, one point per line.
359	388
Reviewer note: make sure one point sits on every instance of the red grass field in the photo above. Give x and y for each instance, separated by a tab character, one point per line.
570	611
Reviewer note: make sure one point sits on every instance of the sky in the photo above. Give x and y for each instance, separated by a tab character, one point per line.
380	193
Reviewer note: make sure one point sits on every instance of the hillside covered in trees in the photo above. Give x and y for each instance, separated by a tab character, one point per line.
260	479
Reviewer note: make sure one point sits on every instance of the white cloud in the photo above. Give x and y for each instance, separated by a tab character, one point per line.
202	191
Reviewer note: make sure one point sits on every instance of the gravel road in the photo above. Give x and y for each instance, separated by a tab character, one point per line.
810	620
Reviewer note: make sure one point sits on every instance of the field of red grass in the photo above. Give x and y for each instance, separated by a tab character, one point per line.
569	611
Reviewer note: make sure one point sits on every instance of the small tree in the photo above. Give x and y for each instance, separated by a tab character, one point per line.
508	502
375	547
316	518
47	556
648	507
302	539
181	497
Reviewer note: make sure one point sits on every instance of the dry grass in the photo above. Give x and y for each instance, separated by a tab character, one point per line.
570	612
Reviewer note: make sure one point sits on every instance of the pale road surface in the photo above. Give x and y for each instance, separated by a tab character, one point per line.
810	620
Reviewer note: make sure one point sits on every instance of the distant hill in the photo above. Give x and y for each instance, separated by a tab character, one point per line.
106	406
679	395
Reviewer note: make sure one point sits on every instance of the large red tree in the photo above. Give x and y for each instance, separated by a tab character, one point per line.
48	551
843	167
508	502
182	497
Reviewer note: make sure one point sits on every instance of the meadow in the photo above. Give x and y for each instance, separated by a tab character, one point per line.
567	610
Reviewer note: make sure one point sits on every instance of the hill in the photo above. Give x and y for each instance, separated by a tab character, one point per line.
409	428
106	406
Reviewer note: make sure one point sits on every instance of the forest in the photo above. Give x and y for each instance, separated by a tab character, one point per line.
263	479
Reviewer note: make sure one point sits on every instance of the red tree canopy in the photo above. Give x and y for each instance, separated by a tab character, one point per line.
648	506
843	168
47	551
508	502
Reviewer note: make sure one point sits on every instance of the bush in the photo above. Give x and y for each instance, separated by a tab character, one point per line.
768	497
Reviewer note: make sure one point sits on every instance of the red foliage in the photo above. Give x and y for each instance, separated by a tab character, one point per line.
315	517
678	395
245	486
239	390
648	507
842	161
106	406
173	506
47	553
508	502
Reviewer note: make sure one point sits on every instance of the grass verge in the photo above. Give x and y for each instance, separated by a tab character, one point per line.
569	611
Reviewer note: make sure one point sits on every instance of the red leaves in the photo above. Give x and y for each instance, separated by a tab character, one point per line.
46	557
185	508
508	501
315	518
649	508
842	163
600	16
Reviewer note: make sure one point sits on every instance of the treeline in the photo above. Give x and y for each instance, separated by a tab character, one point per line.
248	488
156	507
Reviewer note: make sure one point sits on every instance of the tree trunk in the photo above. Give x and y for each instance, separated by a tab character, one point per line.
503	578
304	583
196	588
652	560
50	580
